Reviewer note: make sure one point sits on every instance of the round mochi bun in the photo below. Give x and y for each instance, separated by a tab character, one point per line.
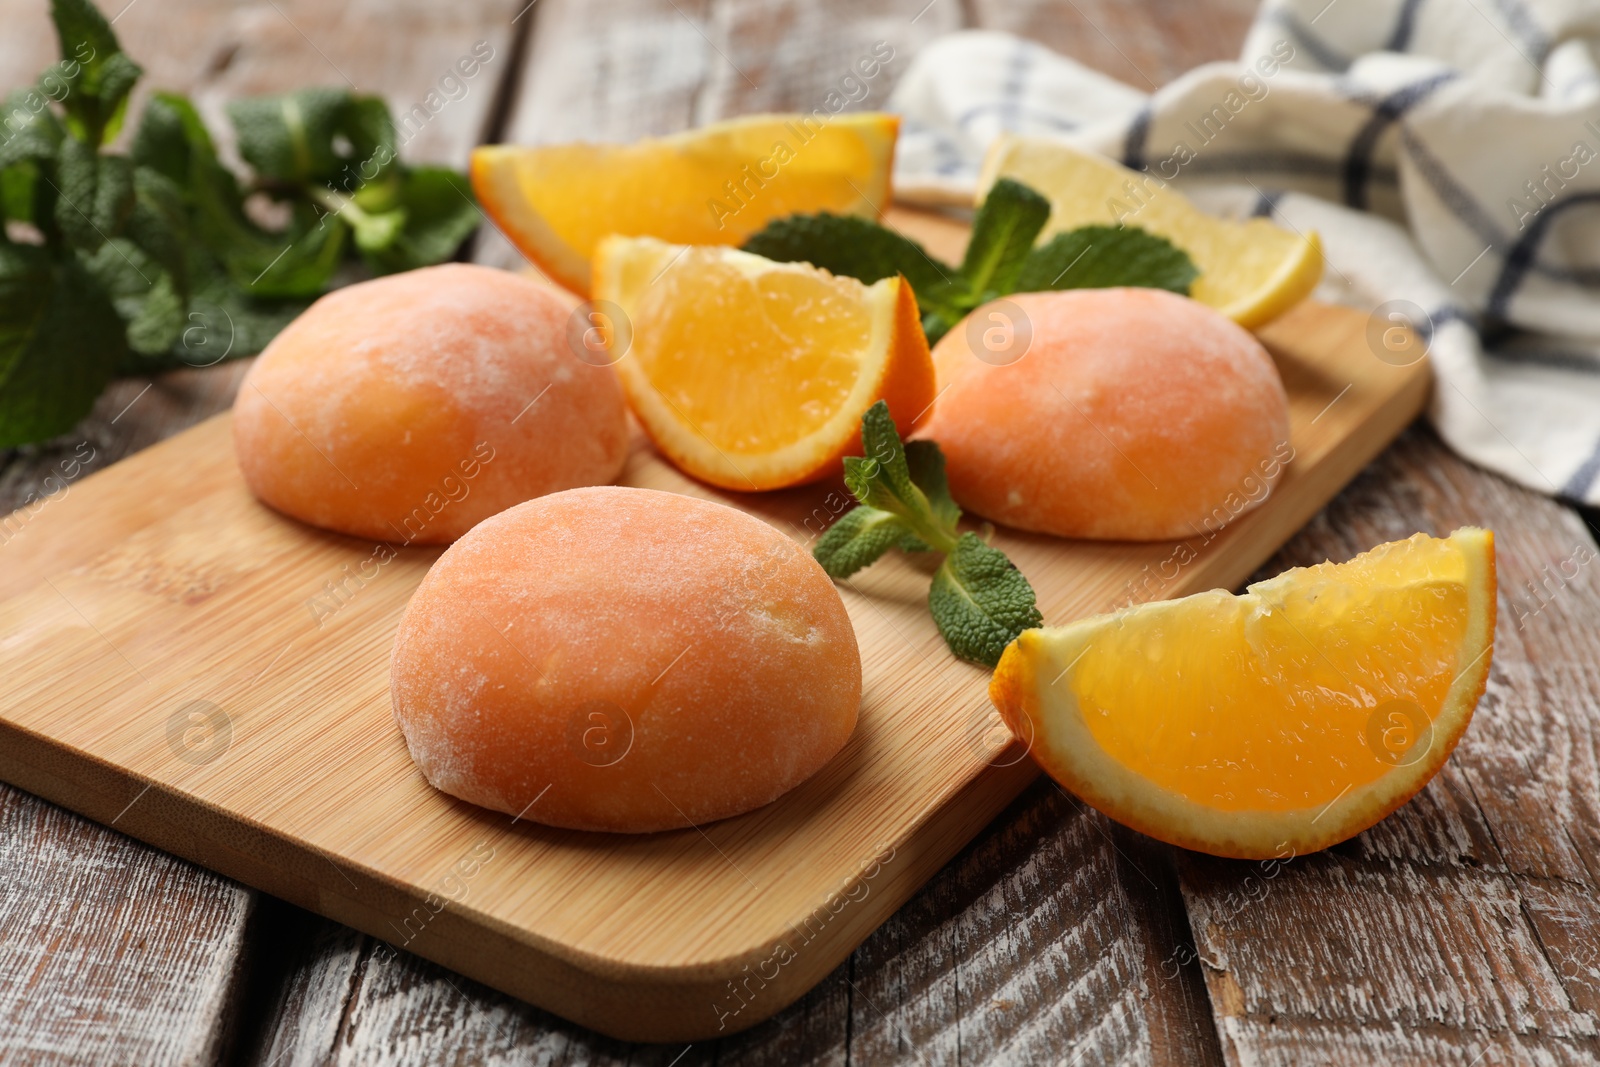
626	660
411	407
1117	414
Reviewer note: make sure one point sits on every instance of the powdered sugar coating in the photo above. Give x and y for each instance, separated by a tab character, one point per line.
409	408
1135	414
715	652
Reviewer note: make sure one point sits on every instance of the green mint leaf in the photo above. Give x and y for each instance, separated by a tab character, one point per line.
28	128
326	136
384	193
935	324
1002	235
300	262
25	285
77	171
144	295
368	126
375	234
123	271
226	322
19	189
980	601
944	305
30	137
1099	257
159	223
94	77
882	479
60	340
113	194
86	37
159	321
851	246
172	139
439	212
290	137
117	80
172	144
95	194
859	538
219	320
925	463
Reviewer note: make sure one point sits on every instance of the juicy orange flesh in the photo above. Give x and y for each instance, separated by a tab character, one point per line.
701	195
1283	700
752	361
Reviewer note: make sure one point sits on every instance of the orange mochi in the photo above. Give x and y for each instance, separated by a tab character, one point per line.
624	659
411	407
1117	414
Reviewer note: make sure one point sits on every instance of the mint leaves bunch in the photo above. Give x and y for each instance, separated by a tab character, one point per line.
979	600
128	263
1000	258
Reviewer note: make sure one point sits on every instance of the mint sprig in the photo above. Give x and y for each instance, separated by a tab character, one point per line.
1000	258
1002	236
1100	257
129	263
979	600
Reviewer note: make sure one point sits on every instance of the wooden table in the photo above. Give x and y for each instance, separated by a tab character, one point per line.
1465	929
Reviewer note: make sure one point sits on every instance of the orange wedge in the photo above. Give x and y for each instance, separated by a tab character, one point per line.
1270	724
751	374
1251	271
713	186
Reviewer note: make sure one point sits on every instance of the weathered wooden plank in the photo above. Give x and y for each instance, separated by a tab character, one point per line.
301	981
111	952
778	55
1046	942
1463	928
610	71
1145	45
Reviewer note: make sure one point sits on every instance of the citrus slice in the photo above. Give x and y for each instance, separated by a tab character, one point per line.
715	185
1250	271
1270	724
751	374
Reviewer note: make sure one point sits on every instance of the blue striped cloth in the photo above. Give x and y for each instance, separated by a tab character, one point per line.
1447	151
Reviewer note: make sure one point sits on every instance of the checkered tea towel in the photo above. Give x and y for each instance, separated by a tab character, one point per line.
1447	151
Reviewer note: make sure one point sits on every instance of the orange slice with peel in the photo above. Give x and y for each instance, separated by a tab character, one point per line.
751	374
1250	271
714	185
1270	724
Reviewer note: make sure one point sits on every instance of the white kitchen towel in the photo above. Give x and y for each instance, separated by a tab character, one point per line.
1447	151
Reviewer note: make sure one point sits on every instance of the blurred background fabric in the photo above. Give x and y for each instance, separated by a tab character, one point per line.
1447	153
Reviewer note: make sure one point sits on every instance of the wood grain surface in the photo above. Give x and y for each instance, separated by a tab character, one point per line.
1014	912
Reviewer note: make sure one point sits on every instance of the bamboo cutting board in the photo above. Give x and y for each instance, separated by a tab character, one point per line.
192	668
